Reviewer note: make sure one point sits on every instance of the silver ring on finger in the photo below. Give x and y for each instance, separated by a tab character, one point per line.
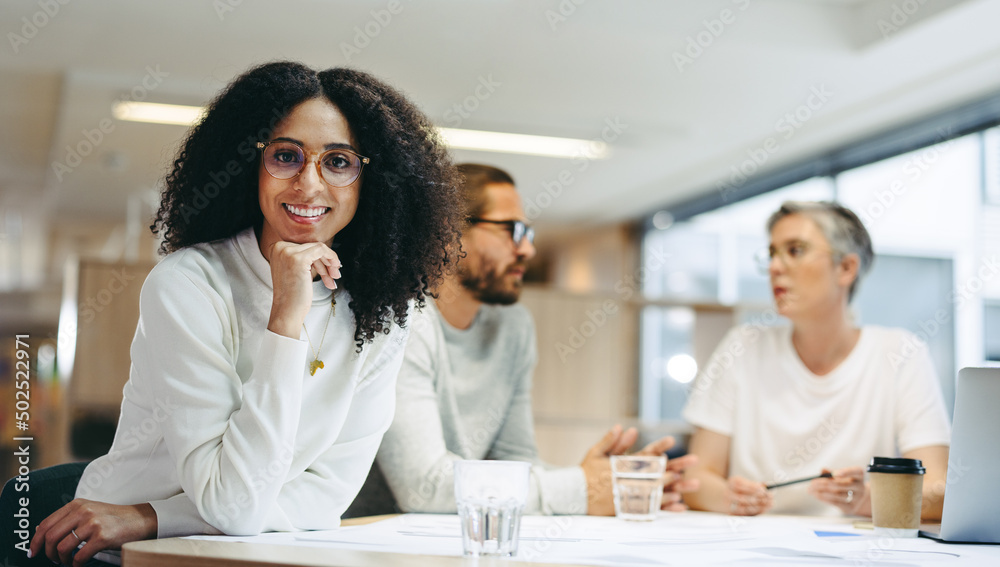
73	531
850	496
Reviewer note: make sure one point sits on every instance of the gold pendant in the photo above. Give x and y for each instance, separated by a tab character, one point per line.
314	366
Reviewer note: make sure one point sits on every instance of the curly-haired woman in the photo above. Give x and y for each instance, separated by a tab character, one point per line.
303	216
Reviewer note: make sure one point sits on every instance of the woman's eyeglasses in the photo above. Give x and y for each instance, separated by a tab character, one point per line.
791	254
518	230
337	167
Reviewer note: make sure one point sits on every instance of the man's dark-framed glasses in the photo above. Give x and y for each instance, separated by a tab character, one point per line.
518	230
338	167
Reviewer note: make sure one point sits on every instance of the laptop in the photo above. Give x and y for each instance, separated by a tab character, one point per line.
972	495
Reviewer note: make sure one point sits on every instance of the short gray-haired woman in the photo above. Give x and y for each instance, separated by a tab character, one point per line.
781	403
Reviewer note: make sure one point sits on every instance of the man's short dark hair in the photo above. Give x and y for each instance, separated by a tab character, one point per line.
476	177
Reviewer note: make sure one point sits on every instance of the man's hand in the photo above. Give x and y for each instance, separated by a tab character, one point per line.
674	484
97	525
597	469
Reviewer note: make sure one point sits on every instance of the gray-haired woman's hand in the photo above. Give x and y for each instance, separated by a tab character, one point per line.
748	498
845	490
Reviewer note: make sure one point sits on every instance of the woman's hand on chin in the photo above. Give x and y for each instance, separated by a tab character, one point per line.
292	270
96	525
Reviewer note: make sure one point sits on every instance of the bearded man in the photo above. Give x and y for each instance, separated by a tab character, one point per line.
464	391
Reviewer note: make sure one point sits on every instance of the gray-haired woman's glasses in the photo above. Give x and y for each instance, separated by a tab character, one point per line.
791	255
338	167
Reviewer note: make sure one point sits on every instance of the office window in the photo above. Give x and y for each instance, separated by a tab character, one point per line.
991	166
913	293
991	334
667	335
922	202
681	263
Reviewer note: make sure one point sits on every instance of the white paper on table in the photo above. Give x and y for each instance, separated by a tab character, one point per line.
273	538
432	535
672	539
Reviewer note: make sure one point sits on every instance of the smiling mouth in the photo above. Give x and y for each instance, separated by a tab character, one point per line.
306	212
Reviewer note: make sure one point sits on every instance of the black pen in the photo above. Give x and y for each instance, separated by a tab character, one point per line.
780	484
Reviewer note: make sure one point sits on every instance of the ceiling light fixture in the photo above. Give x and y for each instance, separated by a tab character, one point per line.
478	140
524	144
157	113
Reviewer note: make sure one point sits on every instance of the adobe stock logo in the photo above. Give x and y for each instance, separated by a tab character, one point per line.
913	169
901	14
563	11
787	125
552	190
92	138
365	34
601	314
484	89
32	25
695	45
94	304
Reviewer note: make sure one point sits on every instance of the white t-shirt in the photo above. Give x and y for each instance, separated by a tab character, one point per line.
785	422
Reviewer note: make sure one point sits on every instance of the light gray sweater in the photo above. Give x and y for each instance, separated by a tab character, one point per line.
466	394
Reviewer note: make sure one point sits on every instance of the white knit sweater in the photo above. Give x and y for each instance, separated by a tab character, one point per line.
222	427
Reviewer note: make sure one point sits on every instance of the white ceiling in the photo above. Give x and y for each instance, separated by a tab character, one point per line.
603	62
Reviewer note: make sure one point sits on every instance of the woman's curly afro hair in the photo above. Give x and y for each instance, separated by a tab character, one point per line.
396	247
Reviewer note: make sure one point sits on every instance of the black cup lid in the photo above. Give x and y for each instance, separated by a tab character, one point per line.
896	466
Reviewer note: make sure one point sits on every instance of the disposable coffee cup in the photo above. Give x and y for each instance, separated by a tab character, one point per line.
897	493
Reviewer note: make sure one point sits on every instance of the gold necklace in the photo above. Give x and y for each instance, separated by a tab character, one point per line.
316	364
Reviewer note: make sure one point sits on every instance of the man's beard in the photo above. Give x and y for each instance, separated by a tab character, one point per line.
489	288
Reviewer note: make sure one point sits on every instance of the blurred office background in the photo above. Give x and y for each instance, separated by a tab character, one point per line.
694	119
